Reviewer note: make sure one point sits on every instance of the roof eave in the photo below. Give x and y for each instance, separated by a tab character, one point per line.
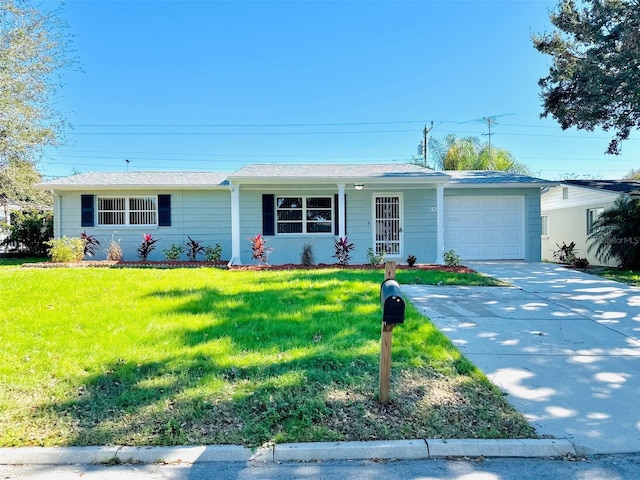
502	185
87	187
337	180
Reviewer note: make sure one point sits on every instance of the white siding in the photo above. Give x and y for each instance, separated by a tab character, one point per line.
578	196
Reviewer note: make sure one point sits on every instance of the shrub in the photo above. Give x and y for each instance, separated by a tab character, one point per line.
259	249
616	234
193	248
147	246
91	244
65	250
307	258
375	259
565	253
343	250
411	260
173	252
451	259
213	254
581	263
114	252
29	231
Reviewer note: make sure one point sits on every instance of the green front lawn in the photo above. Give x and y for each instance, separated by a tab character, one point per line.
207	356
624	276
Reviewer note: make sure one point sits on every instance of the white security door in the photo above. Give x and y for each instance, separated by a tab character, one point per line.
387	225
485	227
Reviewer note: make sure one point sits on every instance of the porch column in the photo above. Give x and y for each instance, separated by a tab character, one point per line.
341	211
235	224
439	223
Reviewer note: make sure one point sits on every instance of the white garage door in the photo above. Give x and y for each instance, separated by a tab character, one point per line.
485	227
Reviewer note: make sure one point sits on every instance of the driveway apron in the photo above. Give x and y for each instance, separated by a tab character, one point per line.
563	345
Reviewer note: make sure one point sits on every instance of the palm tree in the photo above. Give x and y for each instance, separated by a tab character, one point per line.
468	153
616	234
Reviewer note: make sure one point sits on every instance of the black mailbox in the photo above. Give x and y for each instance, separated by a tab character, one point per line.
392	302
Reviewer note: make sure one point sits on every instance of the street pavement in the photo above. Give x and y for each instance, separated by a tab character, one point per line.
563	345
619	467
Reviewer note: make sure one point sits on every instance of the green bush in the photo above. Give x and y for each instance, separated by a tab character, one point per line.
65	250
375	259
451	259
173	252
213	254
30	230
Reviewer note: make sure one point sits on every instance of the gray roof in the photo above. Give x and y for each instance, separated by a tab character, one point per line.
139	180
336	172
493	178
618	186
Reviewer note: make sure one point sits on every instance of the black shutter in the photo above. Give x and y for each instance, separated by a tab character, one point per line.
87	216
164	210
268	219
337	215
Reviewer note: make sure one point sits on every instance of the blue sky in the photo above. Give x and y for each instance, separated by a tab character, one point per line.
214	85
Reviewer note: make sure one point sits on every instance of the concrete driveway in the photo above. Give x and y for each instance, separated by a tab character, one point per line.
563	345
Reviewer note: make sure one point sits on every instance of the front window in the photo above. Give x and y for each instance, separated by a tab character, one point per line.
592	216
545	225
127	211
304	215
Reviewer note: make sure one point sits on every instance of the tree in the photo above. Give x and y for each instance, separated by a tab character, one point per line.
633	174
468	153
34	50
30	230
593	80
17	179
616	234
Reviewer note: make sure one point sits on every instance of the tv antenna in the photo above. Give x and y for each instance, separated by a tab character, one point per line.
490	120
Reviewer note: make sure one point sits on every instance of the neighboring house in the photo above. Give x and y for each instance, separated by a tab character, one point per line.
569	210
397	209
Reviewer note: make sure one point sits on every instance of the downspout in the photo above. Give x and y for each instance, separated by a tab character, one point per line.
57	214
439	223
341	211
235	224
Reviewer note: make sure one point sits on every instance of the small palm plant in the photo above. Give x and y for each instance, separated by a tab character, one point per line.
91	244
259	249
343	250
147	246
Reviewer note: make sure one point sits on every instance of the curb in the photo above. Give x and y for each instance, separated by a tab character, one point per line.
289	452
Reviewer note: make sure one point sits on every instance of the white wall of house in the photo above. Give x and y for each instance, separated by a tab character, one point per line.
565	208
205	215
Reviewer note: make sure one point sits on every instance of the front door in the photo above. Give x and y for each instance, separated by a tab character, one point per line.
387	227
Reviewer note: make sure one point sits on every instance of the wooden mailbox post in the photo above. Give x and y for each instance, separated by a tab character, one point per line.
393	307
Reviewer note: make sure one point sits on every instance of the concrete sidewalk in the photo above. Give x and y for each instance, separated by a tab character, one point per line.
562	344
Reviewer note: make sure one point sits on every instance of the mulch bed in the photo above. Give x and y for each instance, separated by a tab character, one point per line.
201	264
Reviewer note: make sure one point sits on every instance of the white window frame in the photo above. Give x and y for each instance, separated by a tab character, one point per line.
304	220
592	216
128	211
544	225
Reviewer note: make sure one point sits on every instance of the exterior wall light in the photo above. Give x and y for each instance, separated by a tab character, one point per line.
358	186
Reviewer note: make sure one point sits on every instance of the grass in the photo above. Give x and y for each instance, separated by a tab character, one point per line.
207	356
630	277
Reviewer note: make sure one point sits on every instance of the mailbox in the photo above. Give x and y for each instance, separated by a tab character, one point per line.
392	302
